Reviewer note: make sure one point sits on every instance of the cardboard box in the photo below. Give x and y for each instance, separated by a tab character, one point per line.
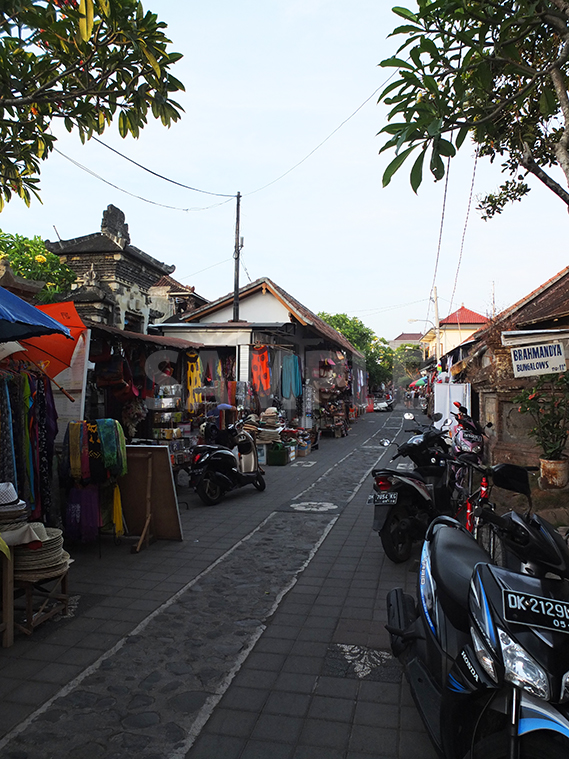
291	452
303	450
262	453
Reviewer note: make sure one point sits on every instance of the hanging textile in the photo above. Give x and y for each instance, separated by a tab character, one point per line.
260	371
7	454
291	377
100	447
194	380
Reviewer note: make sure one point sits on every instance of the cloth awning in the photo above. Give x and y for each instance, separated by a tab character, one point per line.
158	340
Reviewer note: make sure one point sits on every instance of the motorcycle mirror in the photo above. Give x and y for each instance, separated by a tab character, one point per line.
408	415
456	403
437	417
385	442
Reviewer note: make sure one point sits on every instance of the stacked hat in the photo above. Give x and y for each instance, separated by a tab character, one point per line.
12	509
49	560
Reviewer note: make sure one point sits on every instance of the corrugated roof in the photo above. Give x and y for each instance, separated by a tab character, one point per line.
304	315
168	342
409	337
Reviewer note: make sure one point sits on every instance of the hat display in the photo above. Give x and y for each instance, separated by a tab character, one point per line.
12	508
50	560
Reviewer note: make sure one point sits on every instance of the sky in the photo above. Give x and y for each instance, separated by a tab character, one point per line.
281	106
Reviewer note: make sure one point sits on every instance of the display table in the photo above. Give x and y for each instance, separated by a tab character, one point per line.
31	588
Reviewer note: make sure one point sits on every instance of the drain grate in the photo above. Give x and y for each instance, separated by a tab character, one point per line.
361	663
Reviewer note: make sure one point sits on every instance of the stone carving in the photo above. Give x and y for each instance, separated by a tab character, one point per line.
113	224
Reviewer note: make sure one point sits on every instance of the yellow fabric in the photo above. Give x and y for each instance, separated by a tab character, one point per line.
194	380
117	512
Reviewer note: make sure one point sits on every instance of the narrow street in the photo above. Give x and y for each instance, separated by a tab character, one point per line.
260	635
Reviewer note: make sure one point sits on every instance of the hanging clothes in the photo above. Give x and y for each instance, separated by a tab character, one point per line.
260	371
194	379
291	377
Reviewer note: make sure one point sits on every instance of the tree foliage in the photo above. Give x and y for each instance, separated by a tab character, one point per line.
494	71
30	259
85	62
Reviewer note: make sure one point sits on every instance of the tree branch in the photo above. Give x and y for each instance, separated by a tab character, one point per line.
528	162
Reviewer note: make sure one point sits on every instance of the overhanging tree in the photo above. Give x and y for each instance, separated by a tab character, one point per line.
494	71
84	62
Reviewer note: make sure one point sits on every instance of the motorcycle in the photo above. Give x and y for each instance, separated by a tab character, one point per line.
228	460
486	648
406	502
467	445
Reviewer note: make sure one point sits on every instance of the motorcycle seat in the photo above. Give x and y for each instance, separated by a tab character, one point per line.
453	558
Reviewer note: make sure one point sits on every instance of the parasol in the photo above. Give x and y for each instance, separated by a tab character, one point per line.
53	353
418	382
19	320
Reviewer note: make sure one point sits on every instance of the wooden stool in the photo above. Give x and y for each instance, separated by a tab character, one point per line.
41	601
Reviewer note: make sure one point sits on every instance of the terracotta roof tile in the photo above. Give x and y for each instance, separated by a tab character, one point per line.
464	316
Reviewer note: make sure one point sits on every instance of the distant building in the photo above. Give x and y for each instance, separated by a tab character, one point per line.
405	338
454	330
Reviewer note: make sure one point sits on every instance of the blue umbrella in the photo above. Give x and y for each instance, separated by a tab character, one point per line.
19	320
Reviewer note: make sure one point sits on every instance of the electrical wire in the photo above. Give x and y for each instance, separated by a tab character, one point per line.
464	229
161	176
189	276
443	210
132	195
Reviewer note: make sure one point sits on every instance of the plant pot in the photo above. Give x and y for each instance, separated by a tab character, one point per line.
553	474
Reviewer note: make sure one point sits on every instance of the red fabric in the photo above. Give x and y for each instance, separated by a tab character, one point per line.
260	372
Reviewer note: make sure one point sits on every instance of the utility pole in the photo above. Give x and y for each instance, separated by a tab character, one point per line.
238	246
437	326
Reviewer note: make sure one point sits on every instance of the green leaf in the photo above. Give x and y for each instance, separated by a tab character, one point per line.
446	148
395	165
123	124
461	136
396	63
152	60
404	13
437	166
417	171
86	20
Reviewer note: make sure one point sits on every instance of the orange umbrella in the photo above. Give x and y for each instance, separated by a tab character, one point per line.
53	353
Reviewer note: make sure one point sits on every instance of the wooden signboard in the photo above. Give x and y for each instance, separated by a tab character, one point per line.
148	494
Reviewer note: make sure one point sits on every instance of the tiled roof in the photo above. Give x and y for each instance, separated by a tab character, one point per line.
303	314
171	283
464	316
408	337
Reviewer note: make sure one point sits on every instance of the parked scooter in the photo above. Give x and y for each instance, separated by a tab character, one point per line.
467	445
486	648
406	502
228	460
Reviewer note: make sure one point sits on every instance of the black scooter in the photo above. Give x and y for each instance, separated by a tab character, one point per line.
486	647
405	502
228	460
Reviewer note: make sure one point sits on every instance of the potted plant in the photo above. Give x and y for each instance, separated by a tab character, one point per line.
548	405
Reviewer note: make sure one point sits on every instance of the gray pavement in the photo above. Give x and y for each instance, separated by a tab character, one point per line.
260	635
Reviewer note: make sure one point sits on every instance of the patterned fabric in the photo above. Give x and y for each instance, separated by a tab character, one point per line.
194	380
260	371
7	456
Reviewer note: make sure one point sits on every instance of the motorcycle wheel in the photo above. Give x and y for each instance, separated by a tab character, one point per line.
259	483
209	490
542	744
395	539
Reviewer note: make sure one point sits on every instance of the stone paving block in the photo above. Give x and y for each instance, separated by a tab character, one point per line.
377	715
295	683
337	687
273	662
210	746
374	740
316	752
256	749
255	678
233	722
292	704
248	699
416	745
327	707
318	732
283	728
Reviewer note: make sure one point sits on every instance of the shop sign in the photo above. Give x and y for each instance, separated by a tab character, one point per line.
531	360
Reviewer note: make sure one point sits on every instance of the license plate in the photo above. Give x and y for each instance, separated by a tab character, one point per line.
387	497
527	609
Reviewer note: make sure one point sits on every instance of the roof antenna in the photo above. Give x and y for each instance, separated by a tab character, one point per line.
57	233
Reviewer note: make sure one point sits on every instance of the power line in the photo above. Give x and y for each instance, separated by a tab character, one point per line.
161	176
138	197
464	228
189	276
